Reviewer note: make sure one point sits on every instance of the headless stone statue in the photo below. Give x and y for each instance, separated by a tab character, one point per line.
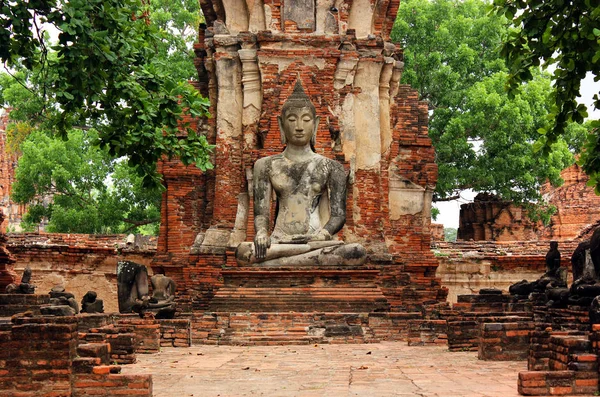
311	198
586	271
555	276
578	259
132	283
162	302
90	303
24	287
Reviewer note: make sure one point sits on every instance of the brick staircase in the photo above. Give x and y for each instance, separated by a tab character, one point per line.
571	367
304	290
281	328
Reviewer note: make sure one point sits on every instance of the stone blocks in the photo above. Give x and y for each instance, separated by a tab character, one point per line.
175	333
504	341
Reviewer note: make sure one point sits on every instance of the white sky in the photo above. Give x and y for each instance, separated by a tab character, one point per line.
450	210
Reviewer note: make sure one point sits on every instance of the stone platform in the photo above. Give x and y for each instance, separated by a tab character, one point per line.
306	289
294	328
277	305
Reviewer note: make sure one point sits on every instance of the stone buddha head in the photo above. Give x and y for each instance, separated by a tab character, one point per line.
298	121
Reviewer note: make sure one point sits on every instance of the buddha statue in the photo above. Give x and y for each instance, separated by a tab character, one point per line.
91	304
24	287
311	198
555	276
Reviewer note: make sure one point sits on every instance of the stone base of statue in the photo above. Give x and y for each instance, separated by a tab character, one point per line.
160	310
268	287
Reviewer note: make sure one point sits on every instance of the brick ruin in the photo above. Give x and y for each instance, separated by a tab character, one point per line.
8	162
577	209
489	219
248	61
79	262
465	267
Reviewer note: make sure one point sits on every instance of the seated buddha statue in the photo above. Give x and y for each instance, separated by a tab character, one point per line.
555	276
310	190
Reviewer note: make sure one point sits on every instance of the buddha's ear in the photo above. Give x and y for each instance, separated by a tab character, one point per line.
313	139
281	132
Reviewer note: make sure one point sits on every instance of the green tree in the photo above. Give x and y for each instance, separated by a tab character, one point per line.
177	22
66	183
450	234
483	139
566	36
104	73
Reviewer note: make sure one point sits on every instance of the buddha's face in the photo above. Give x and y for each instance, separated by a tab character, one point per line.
298	125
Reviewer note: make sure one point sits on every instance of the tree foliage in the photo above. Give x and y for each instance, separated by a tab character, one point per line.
563	35
65	182
177	22
450	234
104	73
484	139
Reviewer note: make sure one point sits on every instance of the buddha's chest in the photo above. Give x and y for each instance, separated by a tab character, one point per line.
307	179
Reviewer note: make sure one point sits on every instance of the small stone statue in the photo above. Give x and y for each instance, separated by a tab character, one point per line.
555	276
24	287
89	303
61	303
132	286
311	198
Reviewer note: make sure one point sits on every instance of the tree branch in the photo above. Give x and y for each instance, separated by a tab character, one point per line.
449	198
135	224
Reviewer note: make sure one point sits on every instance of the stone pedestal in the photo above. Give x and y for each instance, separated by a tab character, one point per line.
256	289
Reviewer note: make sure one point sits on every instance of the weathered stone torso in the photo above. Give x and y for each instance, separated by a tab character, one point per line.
300	187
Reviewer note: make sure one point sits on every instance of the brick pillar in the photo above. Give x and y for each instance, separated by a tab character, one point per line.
36	356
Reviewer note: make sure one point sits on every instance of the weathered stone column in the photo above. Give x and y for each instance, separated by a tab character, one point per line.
230	174
367	121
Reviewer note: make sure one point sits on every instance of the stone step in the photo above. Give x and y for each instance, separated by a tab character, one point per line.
285	328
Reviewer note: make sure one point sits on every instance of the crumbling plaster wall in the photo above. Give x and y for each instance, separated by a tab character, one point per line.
465	267
78	262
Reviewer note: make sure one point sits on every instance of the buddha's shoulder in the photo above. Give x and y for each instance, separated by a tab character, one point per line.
268	160
329	163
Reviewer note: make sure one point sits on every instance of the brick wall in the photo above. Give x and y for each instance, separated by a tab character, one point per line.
80	262
572	369
175	333
488	218
39	356
504	341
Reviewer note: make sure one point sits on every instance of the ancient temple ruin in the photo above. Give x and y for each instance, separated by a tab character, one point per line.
249	56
